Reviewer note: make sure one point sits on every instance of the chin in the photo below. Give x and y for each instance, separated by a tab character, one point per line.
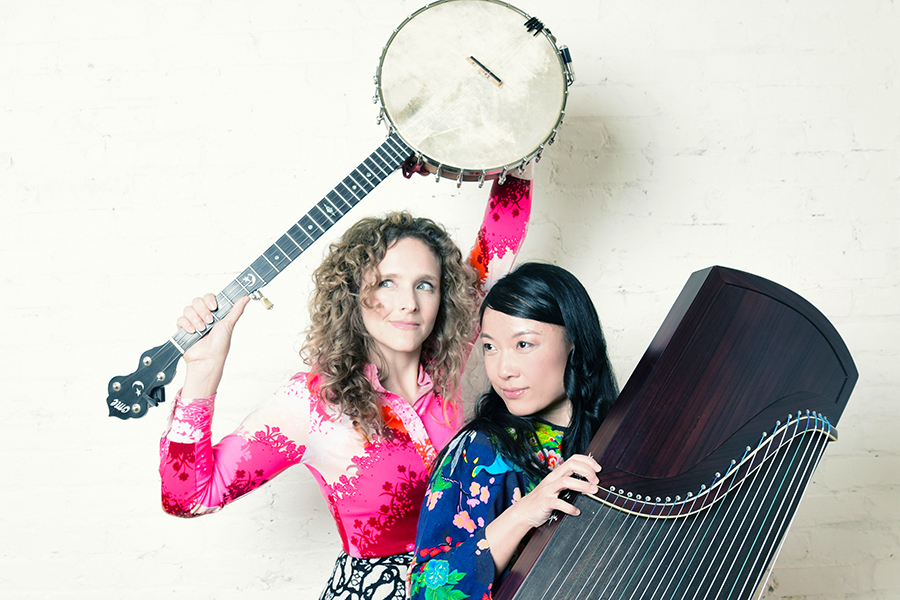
517	413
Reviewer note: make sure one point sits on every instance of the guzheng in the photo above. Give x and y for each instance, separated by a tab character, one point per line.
706	452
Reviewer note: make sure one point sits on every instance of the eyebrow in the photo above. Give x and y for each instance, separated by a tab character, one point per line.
515	335
420	276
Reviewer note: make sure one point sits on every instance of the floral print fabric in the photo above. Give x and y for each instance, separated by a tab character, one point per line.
374	490
382	578
469	489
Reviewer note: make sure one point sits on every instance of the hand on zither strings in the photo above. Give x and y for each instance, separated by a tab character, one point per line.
578	474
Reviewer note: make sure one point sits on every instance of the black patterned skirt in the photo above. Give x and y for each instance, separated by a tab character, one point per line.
368	578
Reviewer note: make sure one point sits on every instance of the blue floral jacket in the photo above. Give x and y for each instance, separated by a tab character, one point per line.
472	485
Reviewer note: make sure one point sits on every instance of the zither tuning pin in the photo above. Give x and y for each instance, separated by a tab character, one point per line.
258	295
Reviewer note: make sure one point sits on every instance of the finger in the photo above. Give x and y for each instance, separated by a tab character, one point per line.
236	311
575	484
190	319
185	323
580	485
565	507
583	466
203	315
576	471
210	301
586	460
202	308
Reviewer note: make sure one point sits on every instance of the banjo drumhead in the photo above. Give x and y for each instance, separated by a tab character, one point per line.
465	84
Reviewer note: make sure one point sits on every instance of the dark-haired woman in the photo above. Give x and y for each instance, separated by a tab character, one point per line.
501	476
391	326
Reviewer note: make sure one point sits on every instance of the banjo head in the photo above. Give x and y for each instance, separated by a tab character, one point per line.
470	89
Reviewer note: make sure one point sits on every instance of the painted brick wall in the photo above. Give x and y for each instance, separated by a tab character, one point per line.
150	150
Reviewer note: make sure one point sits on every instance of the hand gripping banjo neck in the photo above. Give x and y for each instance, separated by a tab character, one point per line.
131	395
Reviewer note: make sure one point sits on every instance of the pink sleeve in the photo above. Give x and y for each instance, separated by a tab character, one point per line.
200	478
502	231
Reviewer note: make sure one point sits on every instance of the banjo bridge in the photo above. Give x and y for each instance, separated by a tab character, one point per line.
485	71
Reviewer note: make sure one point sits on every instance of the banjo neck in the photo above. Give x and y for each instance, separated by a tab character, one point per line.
131	395
302	234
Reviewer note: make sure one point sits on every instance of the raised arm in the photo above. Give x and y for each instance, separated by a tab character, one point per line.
502	231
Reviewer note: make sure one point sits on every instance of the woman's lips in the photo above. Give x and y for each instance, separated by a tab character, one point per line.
406	325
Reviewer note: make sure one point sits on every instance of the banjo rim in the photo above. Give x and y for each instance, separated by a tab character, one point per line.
461	172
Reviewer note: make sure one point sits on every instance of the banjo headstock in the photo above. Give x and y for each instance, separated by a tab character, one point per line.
131	395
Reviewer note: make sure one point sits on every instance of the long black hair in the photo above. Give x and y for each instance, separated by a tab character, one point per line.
550	294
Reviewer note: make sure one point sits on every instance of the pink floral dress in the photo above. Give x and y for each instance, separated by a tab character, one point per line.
374	490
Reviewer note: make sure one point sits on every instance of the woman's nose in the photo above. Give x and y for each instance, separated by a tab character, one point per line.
507	366
408	301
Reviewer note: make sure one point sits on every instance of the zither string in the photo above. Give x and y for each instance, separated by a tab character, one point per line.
663	559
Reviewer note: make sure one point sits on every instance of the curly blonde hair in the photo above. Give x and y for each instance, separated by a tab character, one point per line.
338	346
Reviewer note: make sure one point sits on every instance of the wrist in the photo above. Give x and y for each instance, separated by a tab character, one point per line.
504	534
201	381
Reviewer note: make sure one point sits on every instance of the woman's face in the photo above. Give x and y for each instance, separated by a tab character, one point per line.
404	301
526	362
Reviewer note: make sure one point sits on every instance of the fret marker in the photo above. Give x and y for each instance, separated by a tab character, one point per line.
329	210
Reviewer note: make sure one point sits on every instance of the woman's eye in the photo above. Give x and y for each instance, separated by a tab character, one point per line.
428	287
522	345
386	283
487	347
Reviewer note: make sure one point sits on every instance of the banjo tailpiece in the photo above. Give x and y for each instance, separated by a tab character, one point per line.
705	454
533	24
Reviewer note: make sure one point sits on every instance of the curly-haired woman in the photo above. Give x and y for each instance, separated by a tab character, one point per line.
392	324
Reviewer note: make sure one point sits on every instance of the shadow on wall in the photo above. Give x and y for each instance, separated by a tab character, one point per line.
588	174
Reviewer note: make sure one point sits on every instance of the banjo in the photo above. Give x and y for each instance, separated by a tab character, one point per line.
493	99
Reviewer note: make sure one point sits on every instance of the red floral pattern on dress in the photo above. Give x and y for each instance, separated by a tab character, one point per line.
274	438
503	229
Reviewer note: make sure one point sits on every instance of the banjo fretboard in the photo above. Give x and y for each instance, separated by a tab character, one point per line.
131	395
325	213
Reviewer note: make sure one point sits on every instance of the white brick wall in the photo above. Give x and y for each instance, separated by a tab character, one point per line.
150	150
